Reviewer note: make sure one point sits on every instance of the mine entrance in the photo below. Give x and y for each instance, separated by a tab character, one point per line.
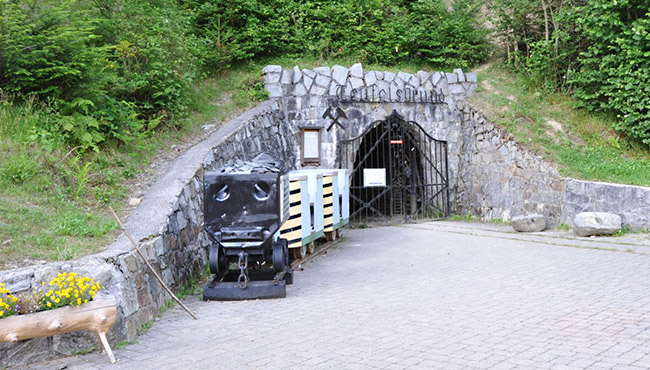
399	173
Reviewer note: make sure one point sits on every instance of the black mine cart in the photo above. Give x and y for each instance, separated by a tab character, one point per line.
246	203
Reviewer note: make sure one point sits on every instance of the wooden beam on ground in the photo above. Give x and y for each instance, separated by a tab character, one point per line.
320	250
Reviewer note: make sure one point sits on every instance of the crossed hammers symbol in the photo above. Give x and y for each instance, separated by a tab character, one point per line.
340	113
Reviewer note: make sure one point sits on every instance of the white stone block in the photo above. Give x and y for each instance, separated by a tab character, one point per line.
356	70
356	82
596	223
297	75
272	69
370	78
325	71
339	74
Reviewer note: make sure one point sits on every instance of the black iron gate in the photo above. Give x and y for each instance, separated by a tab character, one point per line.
398	172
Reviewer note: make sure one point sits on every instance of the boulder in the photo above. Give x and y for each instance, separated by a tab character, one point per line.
529	223
596	223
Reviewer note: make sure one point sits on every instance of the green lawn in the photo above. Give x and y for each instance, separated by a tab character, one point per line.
581	144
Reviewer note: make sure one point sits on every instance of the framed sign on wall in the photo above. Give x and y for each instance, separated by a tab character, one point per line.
310	145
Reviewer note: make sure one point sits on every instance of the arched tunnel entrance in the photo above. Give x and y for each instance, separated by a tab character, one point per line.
399	173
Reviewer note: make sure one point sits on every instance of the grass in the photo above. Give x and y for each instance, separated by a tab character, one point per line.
468	217
581	144
195	283
124	343
54	200
562	226
145	327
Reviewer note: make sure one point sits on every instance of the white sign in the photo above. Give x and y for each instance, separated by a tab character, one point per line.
374	177
310	144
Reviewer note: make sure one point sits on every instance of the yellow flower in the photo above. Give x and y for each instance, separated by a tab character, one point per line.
49	304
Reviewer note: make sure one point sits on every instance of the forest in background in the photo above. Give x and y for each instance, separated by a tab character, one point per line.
114	70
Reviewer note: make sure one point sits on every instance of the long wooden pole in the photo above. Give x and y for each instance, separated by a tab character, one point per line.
160	280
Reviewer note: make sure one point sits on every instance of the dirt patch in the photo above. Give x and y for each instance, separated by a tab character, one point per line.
555	125
488	87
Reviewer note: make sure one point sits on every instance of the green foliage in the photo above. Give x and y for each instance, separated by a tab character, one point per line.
604	163
615	72
625	229
447	38
22	168
563	226
155	55
373	31
47	47
597	49
468	217
112	70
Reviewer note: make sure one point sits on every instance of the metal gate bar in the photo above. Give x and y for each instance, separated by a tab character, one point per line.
416	183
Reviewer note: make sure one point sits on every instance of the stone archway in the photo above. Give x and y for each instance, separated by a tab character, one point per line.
399	172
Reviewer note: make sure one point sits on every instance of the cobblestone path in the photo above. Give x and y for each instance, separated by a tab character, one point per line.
424	296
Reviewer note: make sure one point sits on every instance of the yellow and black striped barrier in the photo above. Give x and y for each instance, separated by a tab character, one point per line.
328	201
298	224
318	203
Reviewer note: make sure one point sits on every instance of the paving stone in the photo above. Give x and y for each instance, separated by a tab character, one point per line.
507	301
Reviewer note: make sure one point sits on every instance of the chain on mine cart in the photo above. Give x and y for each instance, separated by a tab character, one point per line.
243	279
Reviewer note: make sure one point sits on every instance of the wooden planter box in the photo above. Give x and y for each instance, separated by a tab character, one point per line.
97	316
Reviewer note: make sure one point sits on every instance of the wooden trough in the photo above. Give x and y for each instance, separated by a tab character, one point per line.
97	316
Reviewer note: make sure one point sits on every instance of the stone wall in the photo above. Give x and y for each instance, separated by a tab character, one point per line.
632	203
489	174
498	180
428	98
168	226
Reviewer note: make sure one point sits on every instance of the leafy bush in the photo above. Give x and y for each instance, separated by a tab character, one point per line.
48	48
597	49
615	71
113	69
155	54
375	31
448	38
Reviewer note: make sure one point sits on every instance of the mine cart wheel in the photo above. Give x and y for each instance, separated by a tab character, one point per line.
280	255
311	247
300	253
217	260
